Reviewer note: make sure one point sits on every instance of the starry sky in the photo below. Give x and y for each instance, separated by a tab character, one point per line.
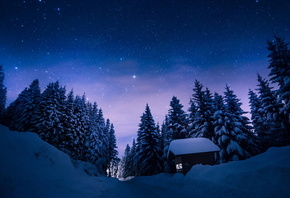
126	53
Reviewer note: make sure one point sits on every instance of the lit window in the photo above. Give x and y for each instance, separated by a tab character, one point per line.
179	166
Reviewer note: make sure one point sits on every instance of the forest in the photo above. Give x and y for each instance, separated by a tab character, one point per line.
78	127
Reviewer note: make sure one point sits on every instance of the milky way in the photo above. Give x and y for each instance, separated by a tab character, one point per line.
124	54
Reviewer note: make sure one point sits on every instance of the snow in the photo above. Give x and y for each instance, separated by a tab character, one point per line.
192	145
29	167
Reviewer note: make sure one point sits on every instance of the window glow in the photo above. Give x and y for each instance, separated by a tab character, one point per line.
179	166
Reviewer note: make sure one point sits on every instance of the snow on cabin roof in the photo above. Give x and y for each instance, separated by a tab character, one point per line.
192	145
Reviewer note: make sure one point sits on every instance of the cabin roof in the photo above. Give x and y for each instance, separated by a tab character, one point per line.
191	146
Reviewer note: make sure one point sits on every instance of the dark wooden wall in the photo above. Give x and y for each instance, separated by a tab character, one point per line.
192	159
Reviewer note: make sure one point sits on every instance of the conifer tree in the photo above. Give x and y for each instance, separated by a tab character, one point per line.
280	74
93	140
125	163
112	152
132	163
219	107
71	137
106	145
49	116
148	158
233	133
166	138
177	120
191	118
274	132
20	112
29	107
14	111
103	139
257	116
128	164
174	127
82	120
3	95
218	102
203	107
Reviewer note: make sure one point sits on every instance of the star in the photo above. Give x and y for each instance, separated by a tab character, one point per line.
134	76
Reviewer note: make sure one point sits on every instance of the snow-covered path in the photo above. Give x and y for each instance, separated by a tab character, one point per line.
144	187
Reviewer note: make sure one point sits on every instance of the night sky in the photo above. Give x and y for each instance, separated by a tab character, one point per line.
126	53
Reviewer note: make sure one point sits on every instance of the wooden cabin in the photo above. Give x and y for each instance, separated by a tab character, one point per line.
192	151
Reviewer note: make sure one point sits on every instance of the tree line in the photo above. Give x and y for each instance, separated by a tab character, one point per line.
78	127
219	118
68	122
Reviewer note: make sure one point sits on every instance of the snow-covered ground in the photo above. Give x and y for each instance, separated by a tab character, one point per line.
29	167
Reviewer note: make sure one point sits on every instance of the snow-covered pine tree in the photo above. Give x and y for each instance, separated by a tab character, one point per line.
218	102
227	137
201	125
128	165
174	127
131	161
218	106
97	140
70	136
149	155
166	138
14	111
274	132
113	159
49	116
280	73
92	141
103	140
165	135
136	158
106	154
125	163
191	117
177	120
257	116
3	95
233	133
29	107
82	123
20	112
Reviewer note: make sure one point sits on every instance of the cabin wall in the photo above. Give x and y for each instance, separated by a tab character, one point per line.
190	160
199	158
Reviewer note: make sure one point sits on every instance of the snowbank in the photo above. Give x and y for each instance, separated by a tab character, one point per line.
265	175
29	167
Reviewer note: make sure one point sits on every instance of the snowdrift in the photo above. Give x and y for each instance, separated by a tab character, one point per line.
29	167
